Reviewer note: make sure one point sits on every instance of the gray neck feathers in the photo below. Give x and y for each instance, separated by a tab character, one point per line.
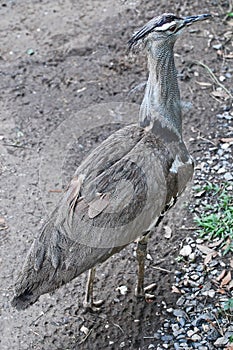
161	103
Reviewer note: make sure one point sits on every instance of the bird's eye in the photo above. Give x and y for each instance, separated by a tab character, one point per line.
172	28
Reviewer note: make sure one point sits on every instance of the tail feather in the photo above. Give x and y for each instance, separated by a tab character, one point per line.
44	269
53	260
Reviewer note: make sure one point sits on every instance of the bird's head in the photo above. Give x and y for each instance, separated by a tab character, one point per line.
164	28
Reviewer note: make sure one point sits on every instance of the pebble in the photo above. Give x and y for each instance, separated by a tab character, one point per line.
182	321
122	289
196	337
180	301
195	277
217	46
186	250
179	313
209	293
229	333
221	170
228	176
175	327
190	332
166	338
221	341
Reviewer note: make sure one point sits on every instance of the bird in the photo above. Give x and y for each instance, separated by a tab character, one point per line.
123	188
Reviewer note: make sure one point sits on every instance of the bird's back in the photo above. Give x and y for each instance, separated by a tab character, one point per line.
117	193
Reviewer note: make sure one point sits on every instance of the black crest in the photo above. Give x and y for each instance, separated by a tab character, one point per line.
150	26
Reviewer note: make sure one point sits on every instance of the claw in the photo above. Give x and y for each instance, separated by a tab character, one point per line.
150	287
93	305
143	292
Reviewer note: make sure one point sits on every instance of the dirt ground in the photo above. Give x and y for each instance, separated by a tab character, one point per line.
65	71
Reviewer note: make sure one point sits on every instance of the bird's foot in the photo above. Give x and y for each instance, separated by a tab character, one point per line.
144	292
93	305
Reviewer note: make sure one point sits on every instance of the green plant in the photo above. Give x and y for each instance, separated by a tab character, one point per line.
217	218
228	305
230	339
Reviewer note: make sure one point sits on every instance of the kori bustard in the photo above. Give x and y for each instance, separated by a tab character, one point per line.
124	187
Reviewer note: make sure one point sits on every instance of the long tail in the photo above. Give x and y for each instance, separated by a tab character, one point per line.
53	260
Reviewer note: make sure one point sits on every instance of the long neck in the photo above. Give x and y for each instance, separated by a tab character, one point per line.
161	104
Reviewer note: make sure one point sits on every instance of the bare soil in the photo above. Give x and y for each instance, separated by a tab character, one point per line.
59	61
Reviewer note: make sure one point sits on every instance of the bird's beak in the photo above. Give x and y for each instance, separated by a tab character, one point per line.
190	19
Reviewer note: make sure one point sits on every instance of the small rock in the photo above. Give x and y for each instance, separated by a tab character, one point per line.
212	335
166	338
222	78
157	335
166	325
182	321
180	301
225	145
195	277
217	46
168	232
196	337
184	345
169	310
210	293
84	330
228	176
122	289
205	327
229	334
178	273
179	313
188	309
122	344
175	327
221	341
221	170
190	332
151	346
30	52
186	250
192	256
149	257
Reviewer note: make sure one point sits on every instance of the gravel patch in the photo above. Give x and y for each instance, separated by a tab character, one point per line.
199	319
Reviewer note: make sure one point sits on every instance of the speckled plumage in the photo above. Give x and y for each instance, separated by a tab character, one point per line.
118	192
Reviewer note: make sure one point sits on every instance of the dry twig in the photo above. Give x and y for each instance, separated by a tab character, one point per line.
214	78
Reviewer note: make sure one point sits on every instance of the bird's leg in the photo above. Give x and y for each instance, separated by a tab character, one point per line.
141	253
88	300
141	256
